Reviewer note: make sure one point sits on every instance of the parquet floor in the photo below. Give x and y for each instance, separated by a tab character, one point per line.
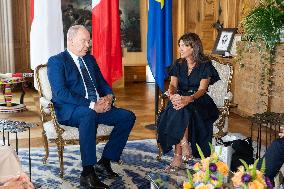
138	97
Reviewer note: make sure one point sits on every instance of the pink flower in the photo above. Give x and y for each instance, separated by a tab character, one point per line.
205	163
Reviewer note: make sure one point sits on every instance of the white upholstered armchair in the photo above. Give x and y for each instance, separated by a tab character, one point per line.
52	131
221	93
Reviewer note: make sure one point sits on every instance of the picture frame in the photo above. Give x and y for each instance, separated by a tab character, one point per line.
224	40
130	33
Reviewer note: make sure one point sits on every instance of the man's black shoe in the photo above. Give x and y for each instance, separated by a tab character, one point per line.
91	181
104	170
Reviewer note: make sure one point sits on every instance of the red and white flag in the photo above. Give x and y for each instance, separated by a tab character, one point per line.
46	36
106	38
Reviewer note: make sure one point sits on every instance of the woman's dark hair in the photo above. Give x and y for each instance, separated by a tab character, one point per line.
193	40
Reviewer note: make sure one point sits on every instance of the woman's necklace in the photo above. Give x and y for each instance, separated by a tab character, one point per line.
190	68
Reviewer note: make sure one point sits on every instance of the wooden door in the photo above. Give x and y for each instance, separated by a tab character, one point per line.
21	28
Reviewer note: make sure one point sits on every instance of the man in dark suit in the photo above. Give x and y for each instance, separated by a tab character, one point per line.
83	99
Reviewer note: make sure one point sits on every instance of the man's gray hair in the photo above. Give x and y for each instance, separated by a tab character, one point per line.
72	31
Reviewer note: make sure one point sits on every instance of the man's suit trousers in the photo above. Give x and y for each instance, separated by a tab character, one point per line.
87	119
274	158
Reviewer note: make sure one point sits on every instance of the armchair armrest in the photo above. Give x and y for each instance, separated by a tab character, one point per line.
163	99
47	108
44	102
45	105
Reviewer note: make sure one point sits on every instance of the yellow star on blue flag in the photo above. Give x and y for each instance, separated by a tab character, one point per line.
162	3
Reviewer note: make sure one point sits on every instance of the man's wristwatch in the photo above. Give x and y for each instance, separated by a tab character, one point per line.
193	98
113	99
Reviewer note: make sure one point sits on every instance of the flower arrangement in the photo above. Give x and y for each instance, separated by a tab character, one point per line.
248	177
209	172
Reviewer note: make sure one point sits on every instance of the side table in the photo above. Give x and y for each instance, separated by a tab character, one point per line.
6	85
16	127
268	122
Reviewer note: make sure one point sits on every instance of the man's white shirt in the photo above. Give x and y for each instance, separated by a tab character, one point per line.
75	59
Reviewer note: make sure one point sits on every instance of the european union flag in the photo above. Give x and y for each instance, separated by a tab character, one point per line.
160	39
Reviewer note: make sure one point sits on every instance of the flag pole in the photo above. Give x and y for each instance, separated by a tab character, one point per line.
156	102
159	45
153	126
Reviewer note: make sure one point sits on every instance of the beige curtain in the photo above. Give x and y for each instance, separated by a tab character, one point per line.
6	37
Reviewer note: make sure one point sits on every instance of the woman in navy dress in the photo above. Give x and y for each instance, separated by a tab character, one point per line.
191	112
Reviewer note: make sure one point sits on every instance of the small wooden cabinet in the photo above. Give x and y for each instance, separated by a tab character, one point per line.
134	74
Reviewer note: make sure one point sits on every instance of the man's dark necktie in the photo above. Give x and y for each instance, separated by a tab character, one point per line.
88	81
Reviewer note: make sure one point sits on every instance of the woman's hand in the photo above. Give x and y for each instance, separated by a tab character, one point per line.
180	102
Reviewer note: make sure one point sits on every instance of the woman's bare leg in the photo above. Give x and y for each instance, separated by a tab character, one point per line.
177	159
180	149
185	146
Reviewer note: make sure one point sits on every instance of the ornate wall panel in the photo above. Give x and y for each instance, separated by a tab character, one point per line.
200	16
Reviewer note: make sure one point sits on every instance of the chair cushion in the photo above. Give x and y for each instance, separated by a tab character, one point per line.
44	82
72	133
45	104
218	91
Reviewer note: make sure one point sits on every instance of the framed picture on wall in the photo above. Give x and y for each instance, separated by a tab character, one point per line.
129	11
224	40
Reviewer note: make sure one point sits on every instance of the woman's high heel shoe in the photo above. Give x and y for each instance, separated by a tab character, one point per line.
186	157
173	168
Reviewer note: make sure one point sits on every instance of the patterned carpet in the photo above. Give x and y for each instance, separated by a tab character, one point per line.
139	159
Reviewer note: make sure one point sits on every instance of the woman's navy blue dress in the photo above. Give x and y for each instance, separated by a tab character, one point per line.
198	116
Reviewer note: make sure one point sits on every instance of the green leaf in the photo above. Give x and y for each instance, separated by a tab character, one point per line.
159	182
220	151
220	181
262	169
200	152
264	23
254	169
189	176
245	165
207	173
211	148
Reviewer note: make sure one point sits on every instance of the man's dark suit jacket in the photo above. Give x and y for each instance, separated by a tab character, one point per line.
68	91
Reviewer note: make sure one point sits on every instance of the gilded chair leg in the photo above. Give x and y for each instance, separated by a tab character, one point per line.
45	144
60	147
159	157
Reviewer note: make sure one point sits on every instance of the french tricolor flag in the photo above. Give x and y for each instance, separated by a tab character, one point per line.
106	38
46	36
